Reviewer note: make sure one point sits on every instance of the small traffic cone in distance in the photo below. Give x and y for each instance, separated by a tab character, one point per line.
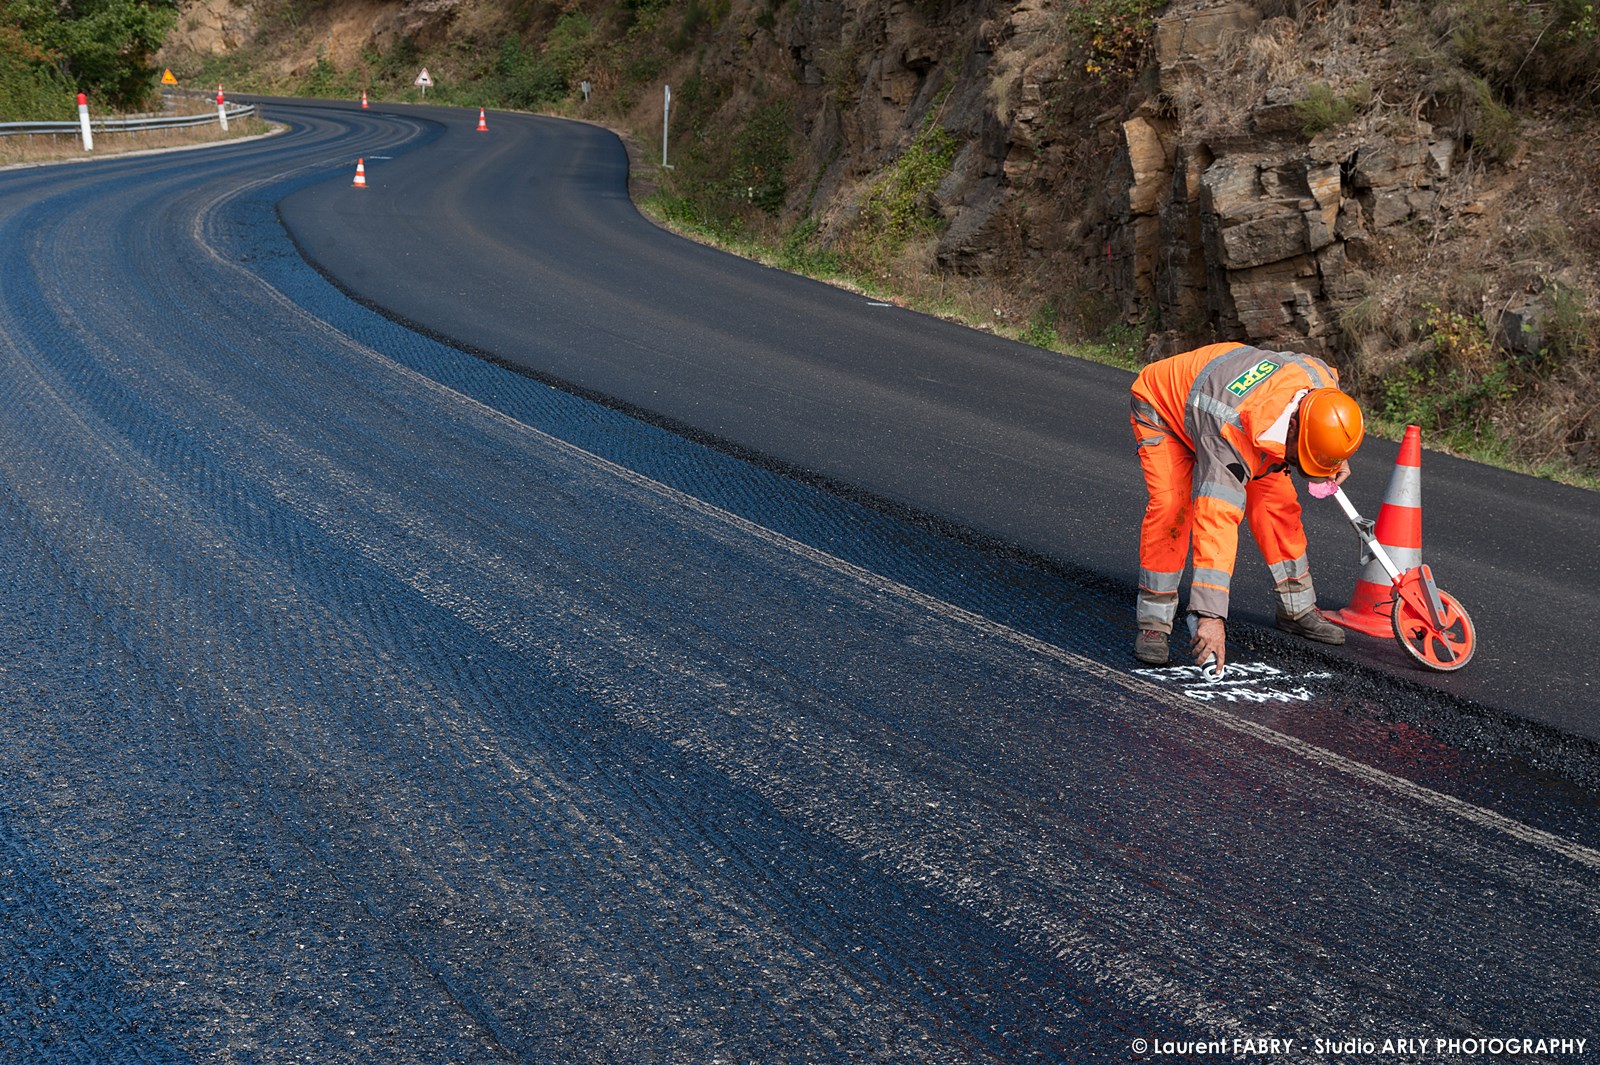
361	173
483	124
363	97
1399	531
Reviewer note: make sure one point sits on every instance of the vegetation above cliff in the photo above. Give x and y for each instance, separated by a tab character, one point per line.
977	161
50	51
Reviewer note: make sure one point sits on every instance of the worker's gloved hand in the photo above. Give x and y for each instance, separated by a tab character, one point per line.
1210	643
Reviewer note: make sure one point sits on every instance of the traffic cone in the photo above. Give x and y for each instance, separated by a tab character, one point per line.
361	173
483	124
363	97
1398	531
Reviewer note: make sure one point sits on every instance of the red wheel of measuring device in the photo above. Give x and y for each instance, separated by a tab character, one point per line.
1446	647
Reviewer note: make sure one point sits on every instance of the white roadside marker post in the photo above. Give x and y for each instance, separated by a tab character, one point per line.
83	121
222	113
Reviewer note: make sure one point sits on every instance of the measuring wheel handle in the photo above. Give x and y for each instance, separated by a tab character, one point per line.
1430	624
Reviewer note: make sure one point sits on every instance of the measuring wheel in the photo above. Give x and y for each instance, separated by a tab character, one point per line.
1446	646
1429	624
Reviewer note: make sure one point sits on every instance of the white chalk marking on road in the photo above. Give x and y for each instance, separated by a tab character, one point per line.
1240	682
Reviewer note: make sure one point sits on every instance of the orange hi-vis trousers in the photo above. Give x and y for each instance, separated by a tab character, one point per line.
1270	506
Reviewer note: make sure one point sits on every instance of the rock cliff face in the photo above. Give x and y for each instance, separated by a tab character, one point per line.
338	33
1233	224
1260	232
213	27
1204	199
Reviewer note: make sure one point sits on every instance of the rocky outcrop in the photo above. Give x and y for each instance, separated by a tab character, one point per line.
214	27
1259	235
1248	230
339	33
1252	233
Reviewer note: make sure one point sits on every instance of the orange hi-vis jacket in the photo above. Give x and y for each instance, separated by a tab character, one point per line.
1226	405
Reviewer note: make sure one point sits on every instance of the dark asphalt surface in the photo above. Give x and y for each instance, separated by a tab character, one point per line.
366	701
522	243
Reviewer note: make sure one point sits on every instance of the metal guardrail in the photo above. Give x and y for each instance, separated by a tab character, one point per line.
123	125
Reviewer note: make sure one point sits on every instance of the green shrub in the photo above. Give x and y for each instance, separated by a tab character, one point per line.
1323	109
570	45
1041	329
527	80
839	71
642	9
31	89
1455	385
1494	125
1124	344
523	80
399	64
1113	34
1517	46
800	254
761	153
1568	328
896	205
697	15
320	80
767	19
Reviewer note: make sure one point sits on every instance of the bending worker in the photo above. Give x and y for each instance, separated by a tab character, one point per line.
1218	430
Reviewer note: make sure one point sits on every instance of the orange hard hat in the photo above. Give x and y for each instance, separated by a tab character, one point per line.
1331	428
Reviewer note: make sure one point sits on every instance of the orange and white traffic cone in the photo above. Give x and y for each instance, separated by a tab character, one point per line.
363	97
483	123
361	173
1398	531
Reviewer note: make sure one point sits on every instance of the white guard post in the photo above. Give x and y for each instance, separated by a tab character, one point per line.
222	112
83	121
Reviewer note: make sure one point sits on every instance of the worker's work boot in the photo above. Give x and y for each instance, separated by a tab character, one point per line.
1312	625
1150	647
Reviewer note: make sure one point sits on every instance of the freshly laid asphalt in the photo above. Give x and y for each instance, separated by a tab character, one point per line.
365	700
521	243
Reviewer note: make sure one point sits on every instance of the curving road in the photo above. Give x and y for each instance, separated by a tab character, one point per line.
367	700
521	244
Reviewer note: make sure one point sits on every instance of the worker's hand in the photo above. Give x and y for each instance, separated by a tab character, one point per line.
1210	638
1342	474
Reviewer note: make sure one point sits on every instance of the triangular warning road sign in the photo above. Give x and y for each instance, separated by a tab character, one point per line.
168	79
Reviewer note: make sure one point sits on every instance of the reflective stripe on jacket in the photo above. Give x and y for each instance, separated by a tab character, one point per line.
1219	400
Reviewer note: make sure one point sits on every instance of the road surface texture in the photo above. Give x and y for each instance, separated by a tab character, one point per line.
521	243
367	700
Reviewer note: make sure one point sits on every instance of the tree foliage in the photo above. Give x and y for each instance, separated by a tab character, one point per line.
30	88
102	47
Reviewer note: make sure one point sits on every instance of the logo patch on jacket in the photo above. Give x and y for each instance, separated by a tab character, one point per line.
1252	377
